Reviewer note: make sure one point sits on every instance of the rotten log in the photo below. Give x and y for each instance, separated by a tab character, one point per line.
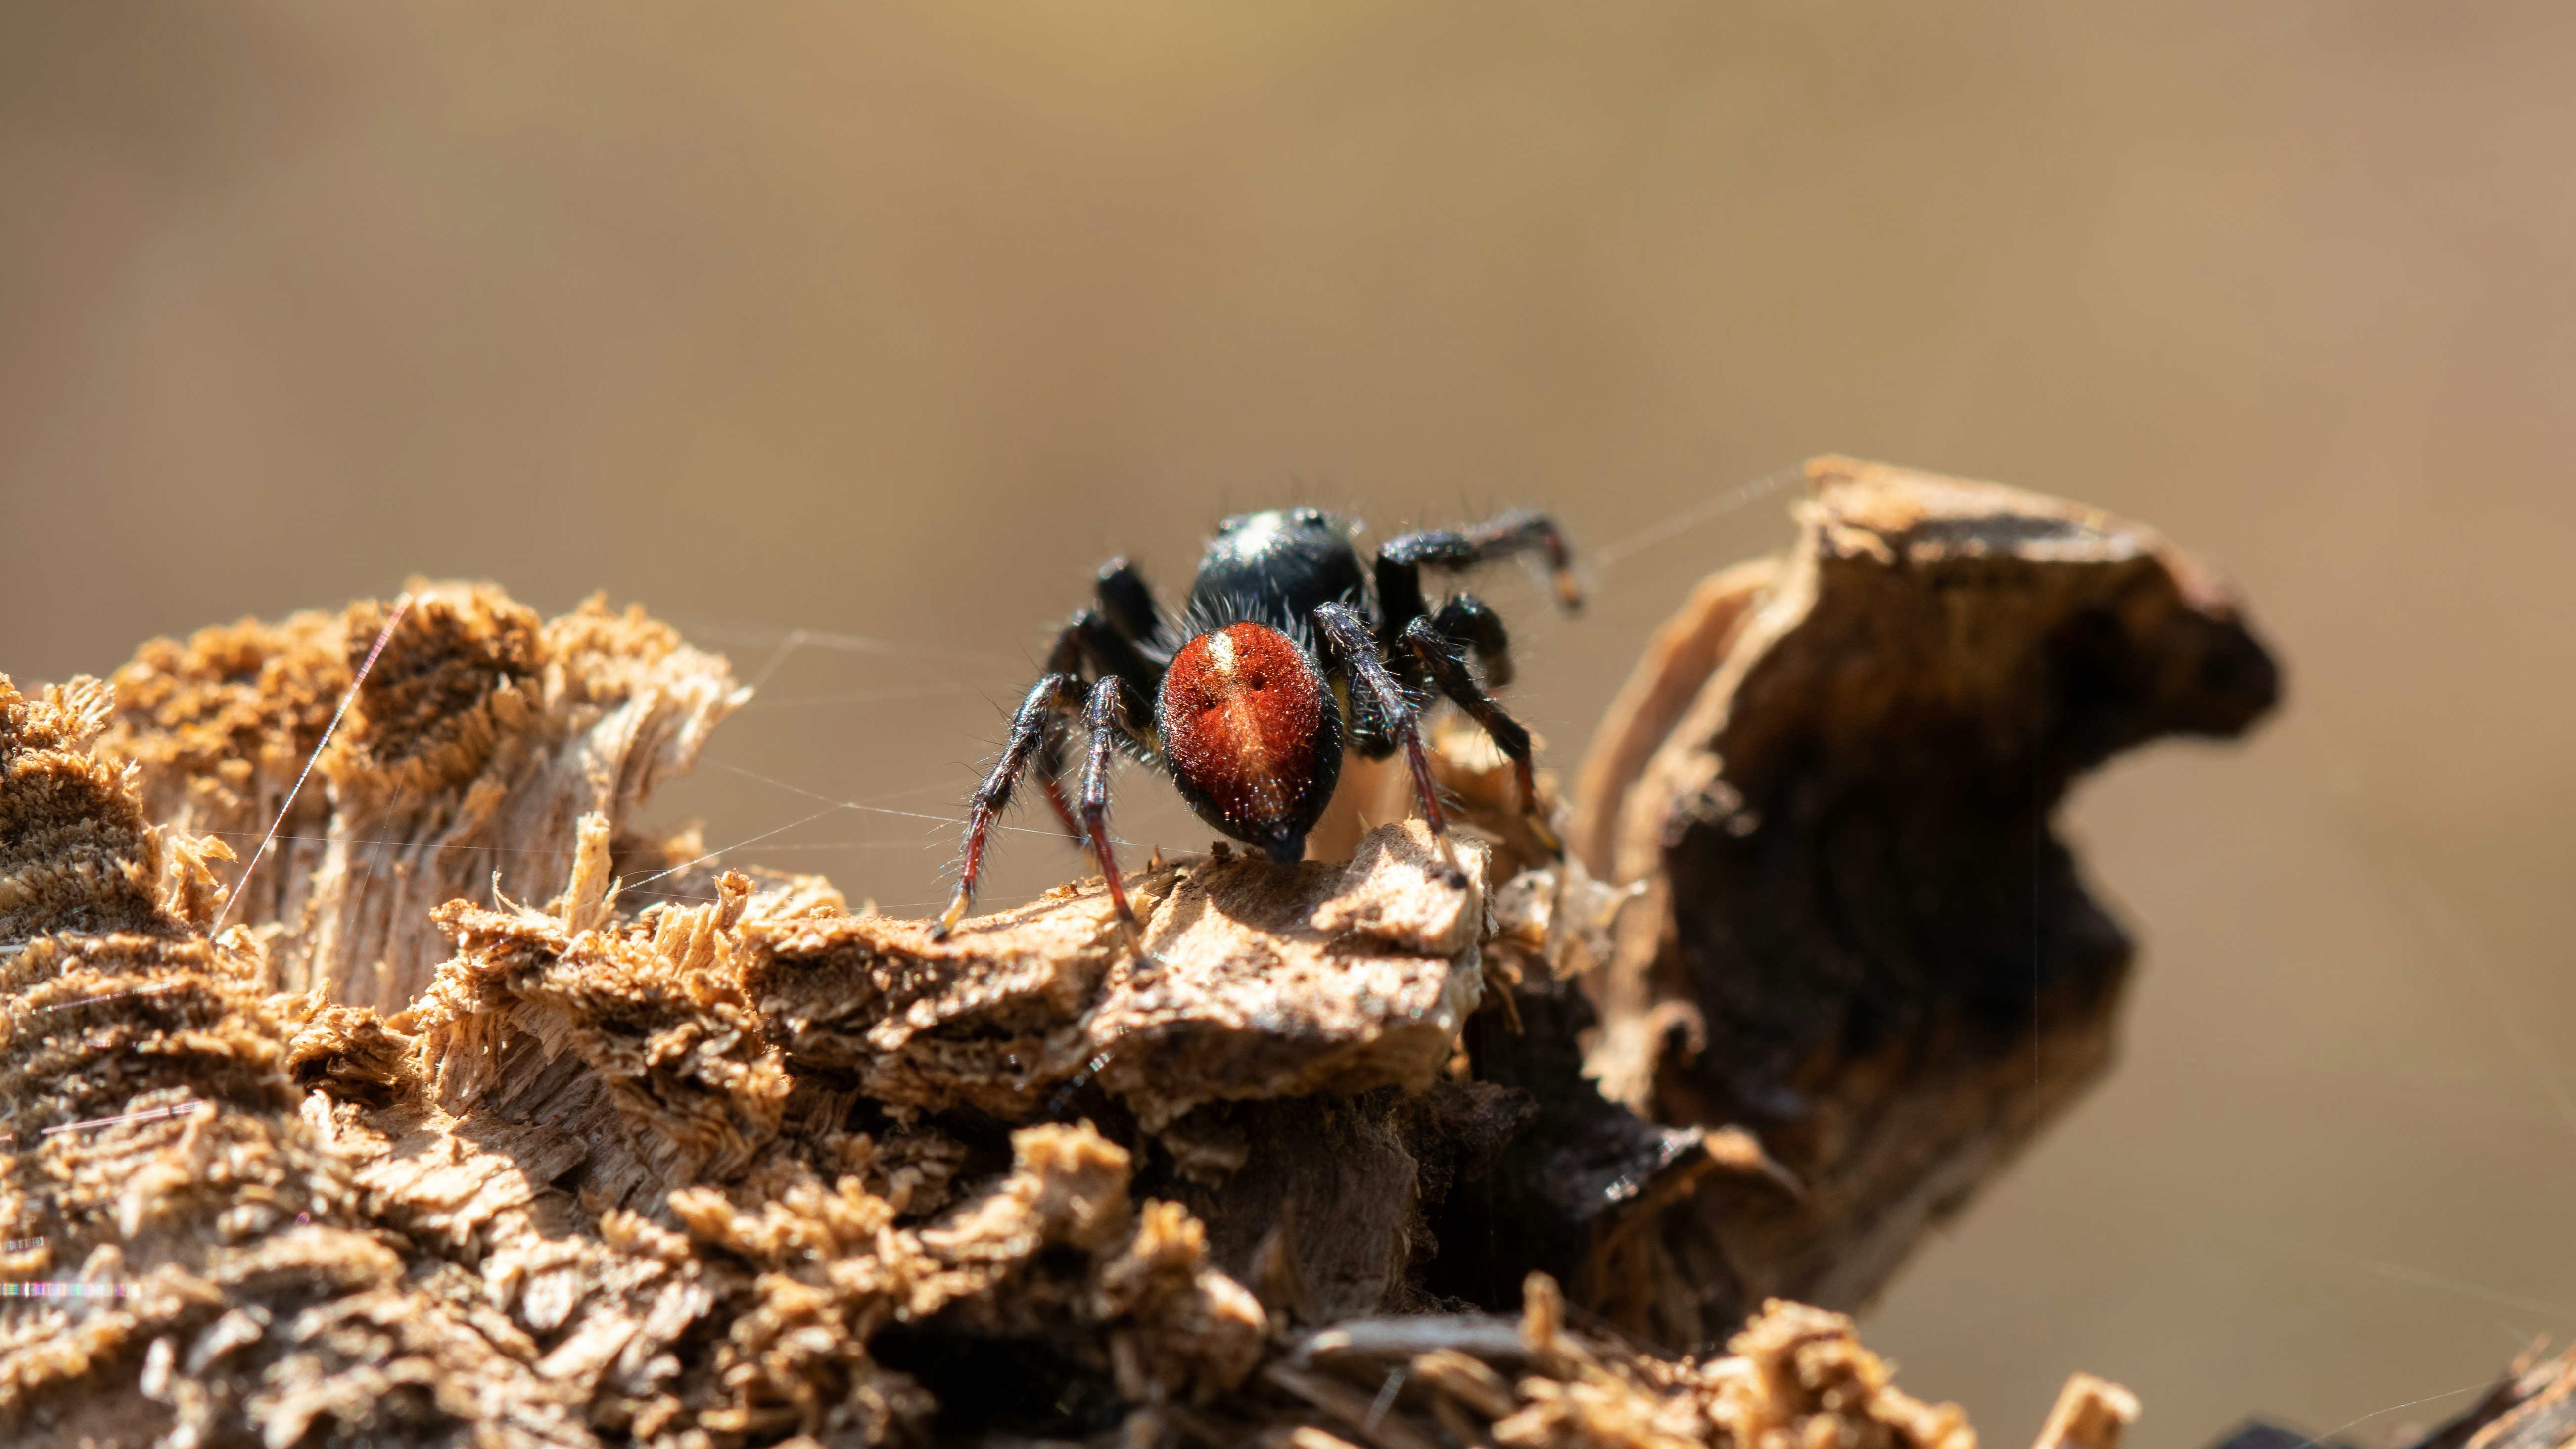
739	1166
438	1284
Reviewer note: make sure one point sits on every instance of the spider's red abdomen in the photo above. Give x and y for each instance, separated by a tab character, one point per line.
1244	727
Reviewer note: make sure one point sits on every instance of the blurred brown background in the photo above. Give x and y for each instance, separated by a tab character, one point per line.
890	321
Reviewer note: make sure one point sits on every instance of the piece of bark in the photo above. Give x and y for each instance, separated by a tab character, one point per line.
1298	992
2090	1413
191	1262
2533	1406
1578	1193
652	1010
1858	913
481	734
1794	1375
1332	1206
1332	1186
1257	982
1680	656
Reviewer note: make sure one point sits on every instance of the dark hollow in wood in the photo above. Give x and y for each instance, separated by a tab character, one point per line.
1863	939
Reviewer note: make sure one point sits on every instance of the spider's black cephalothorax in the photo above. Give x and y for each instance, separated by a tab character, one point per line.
1290	651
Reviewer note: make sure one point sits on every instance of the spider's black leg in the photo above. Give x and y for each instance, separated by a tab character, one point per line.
1104	643
1401	561
1441	663
1041	714
1466	620
1047	763
1107	640
1101	719
1112	655
1349	636
1129	601
1112	637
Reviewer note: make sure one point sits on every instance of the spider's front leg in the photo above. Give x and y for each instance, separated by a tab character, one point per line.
1039	722
1402	559
1394	709
1439	659
1100	719
1467	620
1109	638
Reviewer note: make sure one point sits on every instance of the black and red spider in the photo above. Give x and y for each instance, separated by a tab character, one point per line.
1289	652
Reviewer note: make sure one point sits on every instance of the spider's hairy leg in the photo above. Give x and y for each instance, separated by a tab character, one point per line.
1100	718
1128	601
1441	664
1468	620
1112	655
1113	637
1099	638
1526	530
1402	559
1041	714
1350	638
1048	765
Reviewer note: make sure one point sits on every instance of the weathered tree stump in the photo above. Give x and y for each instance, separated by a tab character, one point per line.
412	1155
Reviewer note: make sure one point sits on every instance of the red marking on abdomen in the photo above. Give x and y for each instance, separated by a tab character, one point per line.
1240	708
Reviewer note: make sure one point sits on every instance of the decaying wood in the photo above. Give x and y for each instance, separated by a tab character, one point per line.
482	734
206	1263
2533	1406
1858	913
416	1155
1256	982
285	1268
2089	1413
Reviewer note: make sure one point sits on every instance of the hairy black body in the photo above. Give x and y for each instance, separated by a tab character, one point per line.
1290	650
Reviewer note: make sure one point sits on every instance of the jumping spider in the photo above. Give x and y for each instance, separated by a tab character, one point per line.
1289	650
